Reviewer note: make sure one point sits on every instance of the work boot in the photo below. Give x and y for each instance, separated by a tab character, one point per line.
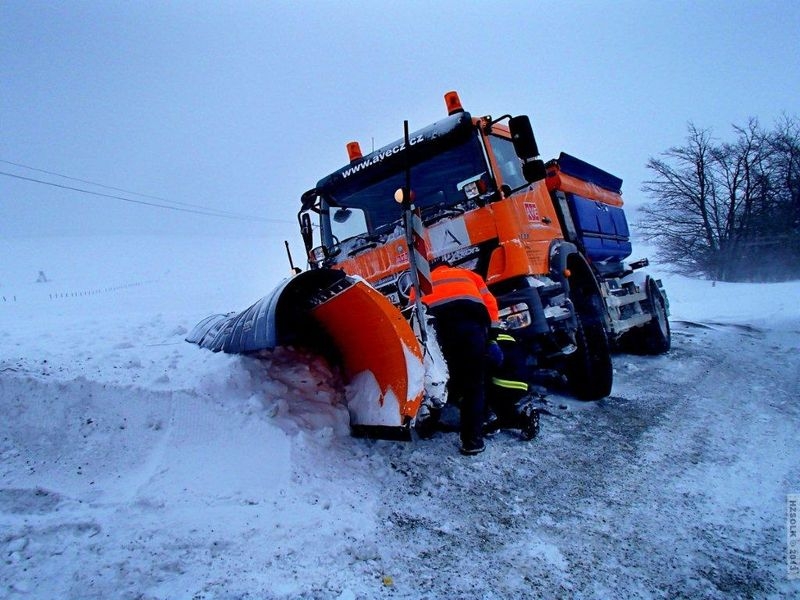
529	423
472	447
492	424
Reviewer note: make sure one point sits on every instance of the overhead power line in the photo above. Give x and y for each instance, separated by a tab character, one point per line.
116	189
206	212
187	207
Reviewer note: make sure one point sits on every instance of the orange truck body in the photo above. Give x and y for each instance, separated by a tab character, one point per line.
550	240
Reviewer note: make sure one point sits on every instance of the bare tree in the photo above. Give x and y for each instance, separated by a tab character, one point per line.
785	143
684	220
742	168
729	211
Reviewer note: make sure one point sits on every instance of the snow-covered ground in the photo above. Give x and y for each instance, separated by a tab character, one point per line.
135	465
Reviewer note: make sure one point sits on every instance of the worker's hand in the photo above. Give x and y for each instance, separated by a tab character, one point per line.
494	354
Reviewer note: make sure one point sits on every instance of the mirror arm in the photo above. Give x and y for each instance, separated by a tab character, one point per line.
498	119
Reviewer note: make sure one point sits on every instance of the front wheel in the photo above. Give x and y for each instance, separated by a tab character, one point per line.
589	370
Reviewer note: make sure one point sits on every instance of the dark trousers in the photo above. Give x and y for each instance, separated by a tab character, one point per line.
462	335
505	382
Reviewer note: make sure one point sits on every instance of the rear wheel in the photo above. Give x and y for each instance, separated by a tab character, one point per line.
654	337
589	370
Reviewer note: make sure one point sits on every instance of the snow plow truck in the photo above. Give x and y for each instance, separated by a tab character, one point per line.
550	239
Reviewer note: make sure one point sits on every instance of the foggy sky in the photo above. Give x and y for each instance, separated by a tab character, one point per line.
242	106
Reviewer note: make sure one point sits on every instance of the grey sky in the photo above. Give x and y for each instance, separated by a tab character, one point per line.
242	106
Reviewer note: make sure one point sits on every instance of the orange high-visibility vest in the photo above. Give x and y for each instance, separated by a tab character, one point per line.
451	283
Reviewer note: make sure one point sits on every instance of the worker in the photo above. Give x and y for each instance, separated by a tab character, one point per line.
509	403
463	311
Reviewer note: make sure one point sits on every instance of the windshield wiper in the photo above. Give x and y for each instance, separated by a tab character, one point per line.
437	213
366	241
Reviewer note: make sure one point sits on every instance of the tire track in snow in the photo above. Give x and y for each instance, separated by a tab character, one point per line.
672	487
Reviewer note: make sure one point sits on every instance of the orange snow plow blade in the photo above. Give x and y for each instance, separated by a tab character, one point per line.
348	321
381	357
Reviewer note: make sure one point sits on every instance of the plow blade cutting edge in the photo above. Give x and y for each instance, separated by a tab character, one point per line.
349	322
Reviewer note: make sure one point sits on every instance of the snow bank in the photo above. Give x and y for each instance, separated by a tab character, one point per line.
135	465
118	430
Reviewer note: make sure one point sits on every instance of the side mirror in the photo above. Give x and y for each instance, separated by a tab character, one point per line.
308	199
523	138
341	215
306	231
534	171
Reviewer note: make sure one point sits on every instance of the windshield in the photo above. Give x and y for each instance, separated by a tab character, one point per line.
437	183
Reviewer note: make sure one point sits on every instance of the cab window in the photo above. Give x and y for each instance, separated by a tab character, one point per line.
508	162
347	223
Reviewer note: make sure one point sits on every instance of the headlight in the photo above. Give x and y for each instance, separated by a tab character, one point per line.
516	316
471	190
318	255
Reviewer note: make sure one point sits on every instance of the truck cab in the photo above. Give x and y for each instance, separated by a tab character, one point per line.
480	211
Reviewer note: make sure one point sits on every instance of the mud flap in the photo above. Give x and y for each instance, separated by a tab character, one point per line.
344	317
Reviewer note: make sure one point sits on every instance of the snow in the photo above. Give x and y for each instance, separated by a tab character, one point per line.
136	465
435	368
361	394
369	405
